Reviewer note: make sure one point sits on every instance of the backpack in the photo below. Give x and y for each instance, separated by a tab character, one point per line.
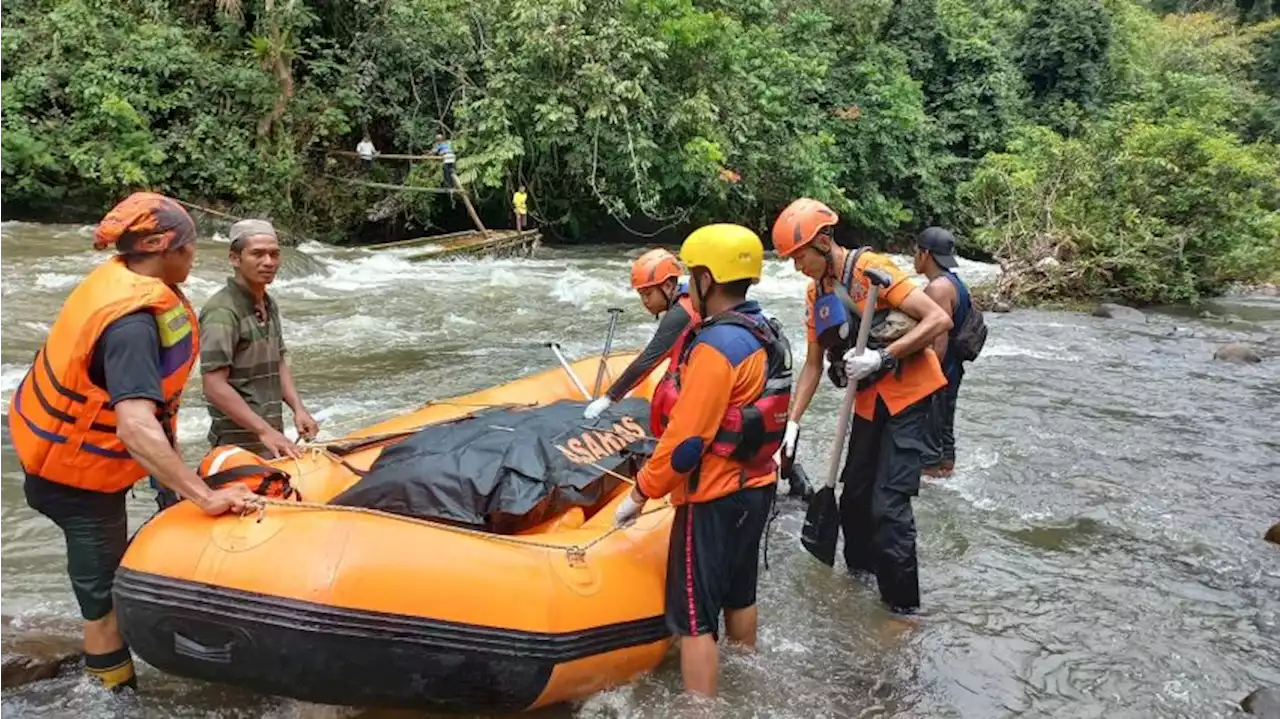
968	339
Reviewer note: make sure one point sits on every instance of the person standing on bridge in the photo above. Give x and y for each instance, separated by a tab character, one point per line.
655	276
715	458
445	151
520	201
98	409
889	433
244	362
366	151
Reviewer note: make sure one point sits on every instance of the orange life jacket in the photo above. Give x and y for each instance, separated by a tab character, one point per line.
58	418
668	389
227	464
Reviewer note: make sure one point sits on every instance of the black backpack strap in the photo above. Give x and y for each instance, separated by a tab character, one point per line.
846	279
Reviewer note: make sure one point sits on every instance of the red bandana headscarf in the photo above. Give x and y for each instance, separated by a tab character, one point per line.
145	222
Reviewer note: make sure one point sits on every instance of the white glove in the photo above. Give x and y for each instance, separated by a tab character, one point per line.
859	366
596	407
628	510
789	439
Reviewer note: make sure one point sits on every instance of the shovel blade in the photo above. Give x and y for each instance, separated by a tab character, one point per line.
822	526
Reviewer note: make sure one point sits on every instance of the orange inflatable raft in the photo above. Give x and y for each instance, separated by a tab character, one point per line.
345	605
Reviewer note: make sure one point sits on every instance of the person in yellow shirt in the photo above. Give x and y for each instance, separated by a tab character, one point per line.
895	383
521	201
716	457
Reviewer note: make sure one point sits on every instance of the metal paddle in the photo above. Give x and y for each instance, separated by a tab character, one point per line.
822	520
608	345
555	348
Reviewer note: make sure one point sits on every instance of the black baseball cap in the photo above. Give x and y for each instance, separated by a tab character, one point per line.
941	244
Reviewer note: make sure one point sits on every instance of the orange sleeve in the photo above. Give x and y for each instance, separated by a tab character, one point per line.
810	297
705	386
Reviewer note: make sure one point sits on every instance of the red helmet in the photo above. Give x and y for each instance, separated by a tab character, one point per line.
653	268
800	224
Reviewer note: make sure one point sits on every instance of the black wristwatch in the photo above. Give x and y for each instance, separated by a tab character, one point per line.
887	361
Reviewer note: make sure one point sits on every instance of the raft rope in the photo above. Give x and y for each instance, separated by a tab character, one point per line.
573	552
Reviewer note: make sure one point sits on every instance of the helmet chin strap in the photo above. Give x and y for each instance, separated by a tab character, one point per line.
696	291
829	260
670	298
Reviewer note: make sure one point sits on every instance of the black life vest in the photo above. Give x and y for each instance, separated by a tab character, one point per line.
752	433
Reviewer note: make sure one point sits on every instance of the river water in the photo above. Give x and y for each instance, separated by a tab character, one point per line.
1097	553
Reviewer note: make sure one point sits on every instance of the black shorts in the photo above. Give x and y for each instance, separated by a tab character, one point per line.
97	529
713	561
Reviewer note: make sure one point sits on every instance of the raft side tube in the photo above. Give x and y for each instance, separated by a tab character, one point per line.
332	655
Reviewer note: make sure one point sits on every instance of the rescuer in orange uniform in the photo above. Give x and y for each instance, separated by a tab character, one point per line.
715	458
98	409
655	276
890	428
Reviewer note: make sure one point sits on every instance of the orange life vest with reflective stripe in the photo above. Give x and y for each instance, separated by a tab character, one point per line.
61	427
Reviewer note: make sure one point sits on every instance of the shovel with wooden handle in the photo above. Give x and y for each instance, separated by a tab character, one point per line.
822	521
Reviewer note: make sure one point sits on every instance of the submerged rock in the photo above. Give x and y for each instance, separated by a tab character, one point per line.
1263	703
1237	352
30	657
1119	312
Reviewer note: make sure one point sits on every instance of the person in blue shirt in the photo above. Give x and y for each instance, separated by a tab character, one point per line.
445	151
935	259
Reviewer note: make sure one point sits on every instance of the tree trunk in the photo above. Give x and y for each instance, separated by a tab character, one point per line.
284	73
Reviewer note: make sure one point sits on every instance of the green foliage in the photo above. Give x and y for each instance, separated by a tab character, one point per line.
1160	199
973	88
1138	150
1063	52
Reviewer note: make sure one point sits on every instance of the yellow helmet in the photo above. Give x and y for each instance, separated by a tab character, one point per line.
729	252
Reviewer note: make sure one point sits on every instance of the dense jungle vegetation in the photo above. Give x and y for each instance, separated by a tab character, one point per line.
1134	143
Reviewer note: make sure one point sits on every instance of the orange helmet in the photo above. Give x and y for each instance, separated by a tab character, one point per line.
800	224
226	464
653	268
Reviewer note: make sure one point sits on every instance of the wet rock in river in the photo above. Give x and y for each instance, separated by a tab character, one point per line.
32	656
1237	352
1263	703
1119	312
1273	534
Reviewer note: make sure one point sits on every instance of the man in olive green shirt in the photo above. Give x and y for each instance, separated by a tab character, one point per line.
243	360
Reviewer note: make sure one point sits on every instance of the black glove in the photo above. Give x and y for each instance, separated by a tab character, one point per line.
799	482
835	369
